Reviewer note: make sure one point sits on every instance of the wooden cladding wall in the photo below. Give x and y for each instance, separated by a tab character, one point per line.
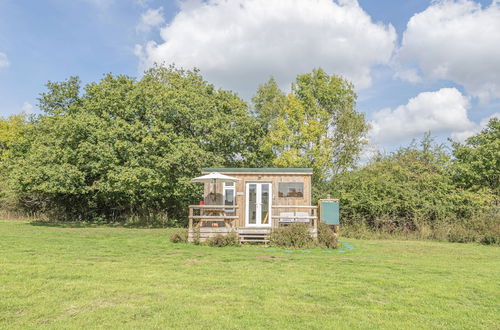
274	179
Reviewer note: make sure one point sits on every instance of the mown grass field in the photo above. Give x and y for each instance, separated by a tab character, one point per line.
62	277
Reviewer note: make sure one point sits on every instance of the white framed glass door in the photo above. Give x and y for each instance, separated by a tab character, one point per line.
258	204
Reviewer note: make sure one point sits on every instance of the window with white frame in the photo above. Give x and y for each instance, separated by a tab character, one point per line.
229	195
291	189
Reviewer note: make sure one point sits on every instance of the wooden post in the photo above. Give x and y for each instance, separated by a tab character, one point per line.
190	218
315	221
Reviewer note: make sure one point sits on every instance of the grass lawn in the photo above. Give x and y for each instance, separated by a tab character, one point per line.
61	277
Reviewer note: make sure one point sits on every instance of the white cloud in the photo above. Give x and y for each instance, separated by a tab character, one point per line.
462	136
457	41
100	3
151	18
27	108
410	75
142	3
4	61
238	44
442	111
368	153
138	50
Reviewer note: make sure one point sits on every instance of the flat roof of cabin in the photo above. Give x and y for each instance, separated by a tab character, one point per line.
277	170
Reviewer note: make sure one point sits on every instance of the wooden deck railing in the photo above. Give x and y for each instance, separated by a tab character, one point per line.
201	213
280	215
286	214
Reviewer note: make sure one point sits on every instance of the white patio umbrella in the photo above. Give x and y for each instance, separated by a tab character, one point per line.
214	177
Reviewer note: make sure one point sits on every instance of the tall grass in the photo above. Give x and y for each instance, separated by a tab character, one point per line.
483	228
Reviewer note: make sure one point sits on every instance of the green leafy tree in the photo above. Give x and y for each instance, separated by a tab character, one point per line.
10	132
477	161
407	188
267	103
316	125
123	148
61	96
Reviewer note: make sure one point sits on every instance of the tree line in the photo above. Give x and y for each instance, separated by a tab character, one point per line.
124	149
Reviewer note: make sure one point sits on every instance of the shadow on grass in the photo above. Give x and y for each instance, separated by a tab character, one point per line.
86	224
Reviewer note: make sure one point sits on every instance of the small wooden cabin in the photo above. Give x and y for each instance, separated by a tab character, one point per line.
260	200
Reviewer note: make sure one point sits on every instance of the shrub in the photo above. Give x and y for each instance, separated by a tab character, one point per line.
296	235
154	220
483	228
179	237
490	239
220	240
489	227
326	236
409	188
459	234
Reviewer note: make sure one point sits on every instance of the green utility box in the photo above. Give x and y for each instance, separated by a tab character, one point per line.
329	211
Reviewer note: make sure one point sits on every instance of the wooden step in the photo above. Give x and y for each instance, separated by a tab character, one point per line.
254	235
244	231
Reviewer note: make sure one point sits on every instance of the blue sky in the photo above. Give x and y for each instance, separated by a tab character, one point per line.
427	82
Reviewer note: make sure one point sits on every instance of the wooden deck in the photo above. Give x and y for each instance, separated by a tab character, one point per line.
206	221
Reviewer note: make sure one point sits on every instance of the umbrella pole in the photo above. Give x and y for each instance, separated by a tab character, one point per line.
215	190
